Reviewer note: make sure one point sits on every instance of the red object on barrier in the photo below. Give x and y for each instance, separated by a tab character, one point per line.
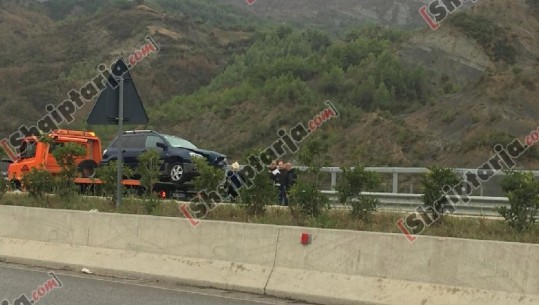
306	238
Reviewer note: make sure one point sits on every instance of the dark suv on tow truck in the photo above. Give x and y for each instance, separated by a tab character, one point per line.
177	154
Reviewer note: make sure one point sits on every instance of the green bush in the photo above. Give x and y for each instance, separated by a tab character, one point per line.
353	182
148	168
149	165
65	156
309	199
38	182
523	192
261	193
209	184
108	175
210	177
306	194
364	207
433	184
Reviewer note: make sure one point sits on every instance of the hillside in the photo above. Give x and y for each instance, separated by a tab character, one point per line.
497	101
49	57
473	95
228	80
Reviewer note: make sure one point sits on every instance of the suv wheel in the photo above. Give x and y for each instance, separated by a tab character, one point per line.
176	172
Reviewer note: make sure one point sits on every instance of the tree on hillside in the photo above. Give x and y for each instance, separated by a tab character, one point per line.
365	94
382	97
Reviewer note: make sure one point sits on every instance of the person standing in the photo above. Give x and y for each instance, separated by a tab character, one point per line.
282	181
272	171
289	180
290	175
235	181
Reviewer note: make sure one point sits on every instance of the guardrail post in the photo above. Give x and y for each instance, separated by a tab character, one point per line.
395	182
333	180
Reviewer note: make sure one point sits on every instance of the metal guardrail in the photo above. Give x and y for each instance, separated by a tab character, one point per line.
489	188
477	206
396	171
408	202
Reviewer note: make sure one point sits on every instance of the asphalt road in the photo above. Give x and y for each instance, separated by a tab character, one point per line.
79	288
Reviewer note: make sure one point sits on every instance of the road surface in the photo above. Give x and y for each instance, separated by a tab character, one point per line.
80	288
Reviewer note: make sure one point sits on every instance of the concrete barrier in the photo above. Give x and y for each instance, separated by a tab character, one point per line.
383	268
145	245
338	267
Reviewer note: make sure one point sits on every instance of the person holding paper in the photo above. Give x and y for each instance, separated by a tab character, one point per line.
273	171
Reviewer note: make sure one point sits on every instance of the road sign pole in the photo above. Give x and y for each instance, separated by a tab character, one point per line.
120	144
109	110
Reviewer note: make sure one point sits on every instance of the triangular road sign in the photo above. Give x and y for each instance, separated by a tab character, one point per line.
106	109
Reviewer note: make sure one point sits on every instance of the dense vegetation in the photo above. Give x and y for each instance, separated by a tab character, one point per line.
300	69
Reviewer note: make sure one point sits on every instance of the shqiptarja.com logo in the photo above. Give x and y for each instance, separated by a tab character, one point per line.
39	293
437	11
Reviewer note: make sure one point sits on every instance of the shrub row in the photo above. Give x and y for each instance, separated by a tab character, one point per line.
306	202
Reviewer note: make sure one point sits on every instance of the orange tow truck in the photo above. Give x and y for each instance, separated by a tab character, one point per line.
39	154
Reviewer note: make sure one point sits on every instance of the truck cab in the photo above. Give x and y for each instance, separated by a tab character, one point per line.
37	154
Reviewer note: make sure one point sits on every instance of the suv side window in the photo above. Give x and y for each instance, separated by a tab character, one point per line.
132	141
136	141
151	142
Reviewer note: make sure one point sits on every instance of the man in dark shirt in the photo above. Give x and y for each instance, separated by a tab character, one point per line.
282	181
291	176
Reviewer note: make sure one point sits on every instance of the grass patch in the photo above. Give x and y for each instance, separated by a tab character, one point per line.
458	227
